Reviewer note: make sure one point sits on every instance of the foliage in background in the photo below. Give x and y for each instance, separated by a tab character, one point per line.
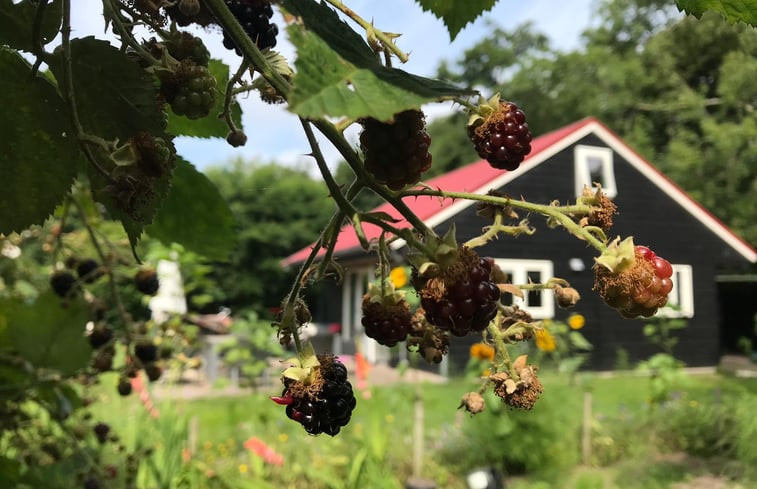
253	344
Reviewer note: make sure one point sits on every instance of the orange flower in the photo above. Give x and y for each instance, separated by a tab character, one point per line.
545	341
481	351
576	321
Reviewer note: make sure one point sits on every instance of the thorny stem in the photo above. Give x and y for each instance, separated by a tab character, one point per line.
559	213
229	95
104	259
496	228
114	13
248	48
501	349
382	36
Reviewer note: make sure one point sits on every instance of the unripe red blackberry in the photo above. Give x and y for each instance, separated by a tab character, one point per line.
326	405
501	137
462	298
396	153
147	281
190	89
255	18
63	283
638	289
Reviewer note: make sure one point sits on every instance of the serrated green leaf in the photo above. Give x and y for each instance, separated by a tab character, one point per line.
115	97
339	75
211	126
456	14
46	333
195	215
38	157
732	10
17	22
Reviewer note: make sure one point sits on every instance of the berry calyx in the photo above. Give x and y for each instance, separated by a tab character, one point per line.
640	282
63	283
147	281
396	153
325	404
386	314
500	133
255	18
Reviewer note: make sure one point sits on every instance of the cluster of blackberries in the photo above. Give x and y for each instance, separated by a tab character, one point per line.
503	138
255	18
327	409
64	283
461	299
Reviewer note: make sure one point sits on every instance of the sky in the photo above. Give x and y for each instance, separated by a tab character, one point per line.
275	135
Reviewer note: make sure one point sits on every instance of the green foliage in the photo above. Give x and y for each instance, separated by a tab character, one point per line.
35	132
17	19
254	342
211	126
339	75
733	10
195	215
456	14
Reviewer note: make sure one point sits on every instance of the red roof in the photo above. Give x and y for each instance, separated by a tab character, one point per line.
480	177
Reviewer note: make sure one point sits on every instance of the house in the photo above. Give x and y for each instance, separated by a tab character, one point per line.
712	265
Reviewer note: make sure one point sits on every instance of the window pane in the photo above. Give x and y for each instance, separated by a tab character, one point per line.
534	296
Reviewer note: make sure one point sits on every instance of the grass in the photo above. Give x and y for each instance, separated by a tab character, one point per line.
382	426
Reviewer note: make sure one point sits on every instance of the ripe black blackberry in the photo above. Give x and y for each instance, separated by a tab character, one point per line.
502	137
100	336
88	270
386	314
396	153
146	351
147	281
101	431
255	18
462	298
325	405
124	386
62	283
153	372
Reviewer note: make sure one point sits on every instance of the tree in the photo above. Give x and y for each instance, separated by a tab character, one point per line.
675	87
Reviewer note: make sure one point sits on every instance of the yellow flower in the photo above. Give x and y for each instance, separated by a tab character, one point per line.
545	341
486	373
481	351
576	321
283	437
389	418
398	276
243	468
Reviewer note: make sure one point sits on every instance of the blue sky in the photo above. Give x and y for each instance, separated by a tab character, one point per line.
274	134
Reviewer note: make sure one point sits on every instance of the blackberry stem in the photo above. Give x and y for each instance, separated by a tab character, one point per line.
559	213
114	14
229	95
382	36
501	349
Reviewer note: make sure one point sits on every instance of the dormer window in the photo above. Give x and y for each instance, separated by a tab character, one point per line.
594	164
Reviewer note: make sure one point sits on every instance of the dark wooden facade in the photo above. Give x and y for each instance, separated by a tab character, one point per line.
667	221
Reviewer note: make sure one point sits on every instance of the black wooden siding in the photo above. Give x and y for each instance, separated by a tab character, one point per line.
648	214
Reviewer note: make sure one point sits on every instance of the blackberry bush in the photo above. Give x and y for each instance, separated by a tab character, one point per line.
396	152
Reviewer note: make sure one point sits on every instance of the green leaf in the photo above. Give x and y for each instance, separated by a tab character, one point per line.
732	10
456	14
210	126
46	333
195	215
579	341
38	158
115	97
338	74
17	21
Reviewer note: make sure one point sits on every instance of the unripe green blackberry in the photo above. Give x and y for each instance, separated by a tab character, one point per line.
155	156
396	153
191	90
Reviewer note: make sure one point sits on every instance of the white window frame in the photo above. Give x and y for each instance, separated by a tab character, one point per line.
681	297
581	155
517	270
